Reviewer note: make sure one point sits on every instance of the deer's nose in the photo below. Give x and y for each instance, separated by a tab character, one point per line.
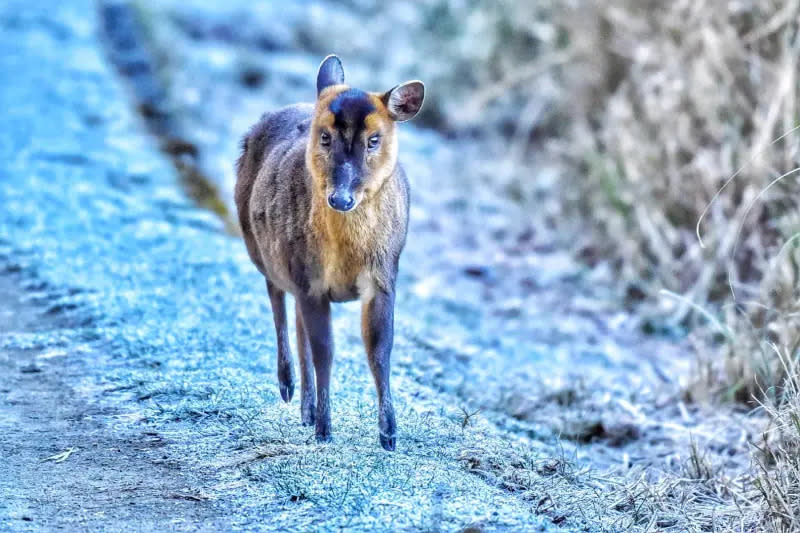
341	201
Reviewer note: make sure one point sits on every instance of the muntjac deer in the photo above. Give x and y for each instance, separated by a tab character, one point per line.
323	207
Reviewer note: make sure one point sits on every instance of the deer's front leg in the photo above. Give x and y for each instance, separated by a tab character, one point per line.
307	388
317	323
377	329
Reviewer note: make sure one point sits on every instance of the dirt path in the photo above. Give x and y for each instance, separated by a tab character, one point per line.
71	459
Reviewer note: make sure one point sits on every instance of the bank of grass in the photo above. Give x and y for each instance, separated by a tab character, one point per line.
700	93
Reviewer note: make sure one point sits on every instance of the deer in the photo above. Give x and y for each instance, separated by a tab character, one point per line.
323	205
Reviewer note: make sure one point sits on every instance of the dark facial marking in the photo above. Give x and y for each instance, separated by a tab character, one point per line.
350	108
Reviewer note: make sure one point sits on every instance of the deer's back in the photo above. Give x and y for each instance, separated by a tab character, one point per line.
273	195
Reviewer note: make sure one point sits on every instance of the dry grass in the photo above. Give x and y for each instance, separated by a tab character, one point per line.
673	127
699	93
699	497
687	94
776	463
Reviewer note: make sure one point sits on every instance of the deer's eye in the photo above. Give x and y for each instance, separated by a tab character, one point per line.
374	141
325	138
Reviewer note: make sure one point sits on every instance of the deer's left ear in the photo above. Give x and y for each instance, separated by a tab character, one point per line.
405	100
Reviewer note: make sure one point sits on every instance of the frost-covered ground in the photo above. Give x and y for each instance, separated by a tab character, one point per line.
137	371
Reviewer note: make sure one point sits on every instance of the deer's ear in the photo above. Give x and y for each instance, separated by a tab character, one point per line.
330	73
405	100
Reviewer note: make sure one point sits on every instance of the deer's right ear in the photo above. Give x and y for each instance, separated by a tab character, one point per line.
330	73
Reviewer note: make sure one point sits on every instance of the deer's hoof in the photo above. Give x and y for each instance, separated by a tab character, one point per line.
287	391
307	414
323	438
388	442
387	428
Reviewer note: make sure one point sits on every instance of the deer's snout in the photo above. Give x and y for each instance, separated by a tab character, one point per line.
341	200
346	176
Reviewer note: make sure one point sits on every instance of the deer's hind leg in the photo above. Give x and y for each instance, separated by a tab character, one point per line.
277	298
